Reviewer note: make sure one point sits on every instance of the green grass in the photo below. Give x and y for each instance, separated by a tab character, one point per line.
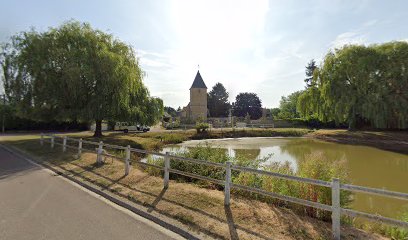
156	140
397	233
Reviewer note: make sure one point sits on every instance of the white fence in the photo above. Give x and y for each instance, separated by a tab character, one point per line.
335	184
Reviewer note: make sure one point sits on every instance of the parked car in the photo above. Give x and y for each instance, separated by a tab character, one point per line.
126	127
143	128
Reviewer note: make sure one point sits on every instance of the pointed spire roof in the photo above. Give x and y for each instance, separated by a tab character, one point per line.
198	81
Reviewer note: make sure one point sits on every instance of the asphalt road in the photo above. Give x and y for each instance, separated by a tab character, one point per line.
37	204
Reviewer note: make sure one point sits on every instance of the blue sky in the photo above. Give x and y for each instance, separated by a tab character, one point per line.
257	46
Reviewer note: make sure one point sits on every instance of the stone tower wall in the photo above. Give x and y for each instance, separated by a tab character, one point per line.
198	103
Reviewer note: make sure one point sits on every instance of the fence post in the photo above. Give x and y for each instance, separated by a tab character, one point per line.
52	141
42	139
227	188
336	208
127	160
166	170
99	152
79	147
64	144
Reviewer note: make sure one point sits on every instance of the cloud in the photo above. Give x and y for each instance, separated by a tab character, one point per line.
228	46
370	23
348	38
153	59
357	36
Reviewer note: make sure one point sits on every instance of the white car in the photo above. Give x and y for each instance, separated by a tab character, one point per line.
126	127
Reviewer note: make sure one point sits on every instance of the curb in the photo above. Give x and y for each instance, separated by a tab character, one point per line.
158	221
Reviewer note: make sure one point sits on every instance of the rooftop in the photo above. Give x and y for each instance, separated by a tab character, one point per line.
198	82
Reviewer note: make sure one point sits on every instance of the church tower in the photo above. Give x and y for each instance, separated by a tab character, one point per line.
198	98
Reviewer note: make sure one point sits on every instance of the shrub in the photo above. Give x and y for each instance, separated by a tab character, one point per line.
315	166
318	166
159	161
172	125
202	152
398	233
174	138
202	127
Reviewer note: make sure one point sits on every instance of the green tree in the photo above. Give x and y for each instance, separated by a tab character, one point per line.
310	67
217	101
248	103
75	72
361	86
288	106
171	111
275	112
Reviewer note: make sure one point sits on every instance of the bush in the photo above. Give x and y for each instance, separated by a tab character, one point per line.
398	233
315	166
172	125
318	166
202	127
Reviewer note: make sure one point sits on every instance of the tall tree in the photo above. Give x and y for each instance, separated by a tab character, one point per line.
288	106
217	101
75	72
310	68
171	111
248	103
275	113
361	86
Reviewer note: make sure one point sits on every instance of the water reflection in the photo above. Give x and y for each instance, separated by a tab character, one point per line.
367	166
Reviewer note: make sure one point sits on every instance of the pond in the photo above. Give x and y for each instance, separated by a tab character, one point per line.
367	166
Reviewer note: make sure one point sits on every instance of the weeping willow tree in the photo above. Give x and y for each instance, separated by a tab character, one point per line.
76	73
361	85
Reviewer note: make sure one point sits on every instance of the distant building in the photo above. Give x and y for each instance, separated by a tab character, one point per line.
197	107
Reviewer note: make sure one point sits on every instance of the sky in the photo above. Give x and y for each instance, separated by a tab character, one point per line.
249	46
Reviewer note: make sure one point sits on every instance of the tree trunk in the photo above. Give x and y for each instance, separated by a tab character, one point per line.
98	128
352	121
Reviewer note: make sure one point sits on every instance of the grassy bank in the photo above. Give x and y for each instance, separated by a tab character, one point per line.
156	140
396	141
201	209
315	166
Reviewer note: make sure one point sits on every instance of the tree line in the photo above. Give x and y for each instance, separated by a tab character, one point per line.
357	86
76	73
218	105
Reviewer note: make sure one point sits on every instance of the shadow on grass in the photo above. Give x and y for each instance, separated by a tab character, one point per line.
160	197
157	200
231	224
229	220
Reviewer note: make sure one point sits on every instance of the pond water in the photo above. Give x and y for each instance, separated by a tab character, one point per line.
367	166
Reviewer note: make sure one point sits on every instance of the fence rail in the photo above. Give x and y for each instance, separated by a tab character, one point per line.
335	184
